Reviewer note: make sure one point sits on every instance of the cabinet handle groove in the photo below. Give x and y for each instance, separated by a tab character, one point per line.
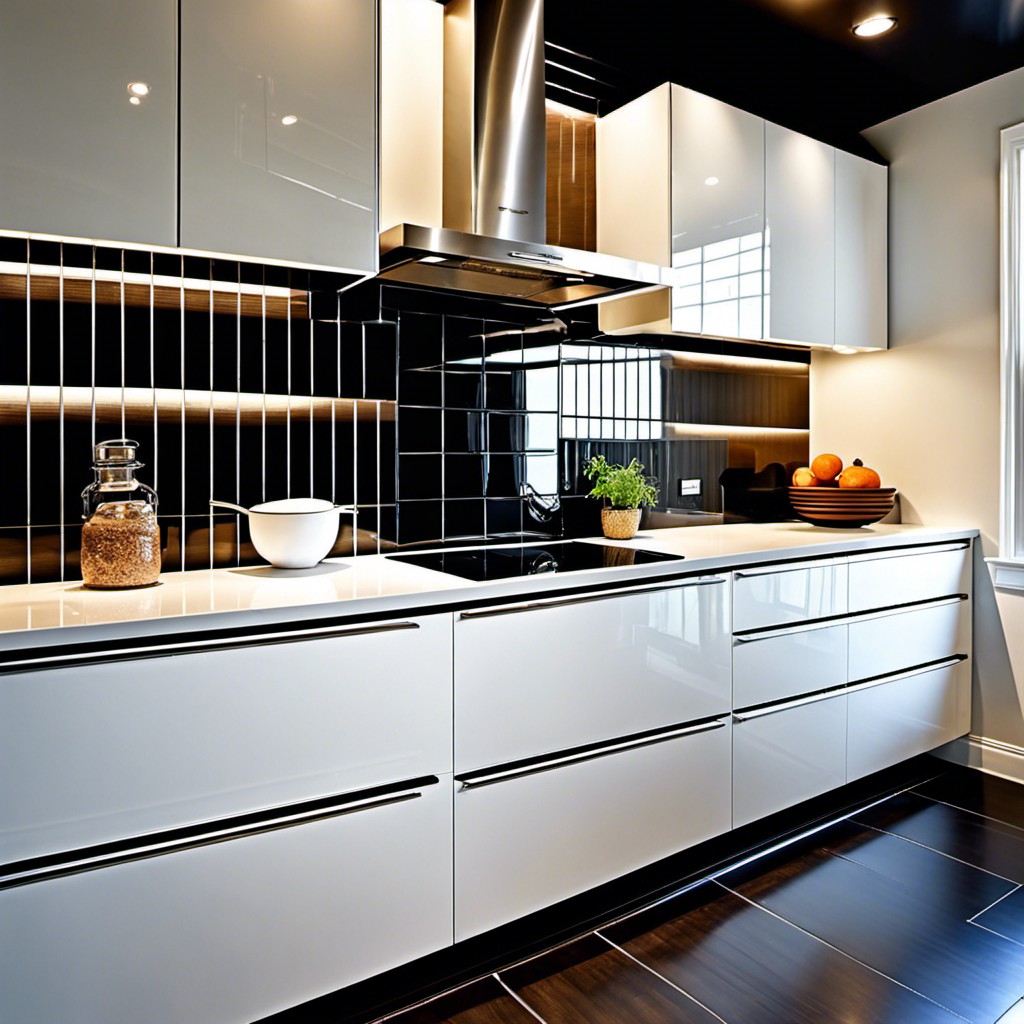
195	646
845	619
474	781
159	844
917	670
933	549
814	698
701	581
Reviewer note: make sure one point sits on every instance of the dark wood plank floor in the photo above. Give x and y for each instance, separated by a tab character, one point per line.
911	910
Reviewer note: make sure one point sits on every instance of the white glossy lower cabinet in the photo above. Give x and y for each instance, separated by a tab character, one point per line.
125	747
775	667
785	755
891	721
236	930
906	637
530	841
539	677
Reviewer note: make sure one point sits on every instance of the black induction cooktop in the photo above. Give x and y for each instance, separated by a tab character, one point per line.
493	563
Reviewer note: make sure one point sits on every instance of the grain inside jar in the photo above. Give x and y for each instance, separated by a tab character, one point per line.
121	546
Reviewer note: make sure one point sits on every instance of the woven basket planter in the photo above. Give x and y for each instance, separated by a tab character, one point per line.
620	523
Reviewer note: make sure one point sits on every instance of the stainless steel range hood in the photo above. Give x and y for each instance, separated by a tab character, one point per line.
494	183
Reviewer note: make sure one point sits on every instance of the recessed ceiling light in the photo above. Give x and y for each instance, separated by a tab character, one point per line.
711	181
134	100
289	119
138	88
876	25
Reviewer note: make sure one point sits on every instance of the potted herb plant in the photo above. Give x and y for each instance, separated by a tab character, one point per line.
624	490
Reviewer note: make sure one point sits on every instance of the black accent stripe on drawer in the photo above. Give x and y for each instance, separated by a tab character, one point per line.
35	660
207	833
589	752
805	625
810	696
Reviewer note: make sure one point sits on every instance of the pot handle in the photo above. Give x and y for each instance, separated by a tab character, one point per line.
348	508
228	504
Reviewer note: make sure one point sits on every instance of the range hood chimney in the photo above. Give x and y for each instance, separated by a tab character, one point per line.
494	182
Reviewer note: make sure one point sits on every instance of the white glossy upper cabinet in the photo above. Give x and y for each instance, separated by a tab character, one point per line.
77	158
800	208
717	217
278	130
862	247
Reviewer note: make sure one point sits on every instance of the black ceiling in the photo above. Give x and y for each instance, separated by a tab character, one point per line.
795	62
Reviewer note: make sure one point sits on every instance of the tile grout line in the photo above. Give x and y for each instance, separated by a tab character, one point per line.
842	952
931	849
515	995
985	910
661	977
966	810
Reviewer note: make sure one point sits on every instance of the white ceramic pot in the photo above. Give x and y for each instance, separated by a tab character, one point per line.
294	533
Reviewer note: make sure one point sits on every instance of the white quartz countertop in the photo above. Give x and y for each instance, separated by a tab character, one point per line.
37	615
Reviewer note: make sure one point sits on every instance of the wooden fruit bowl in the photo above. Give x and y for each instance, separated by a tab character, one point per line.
842	506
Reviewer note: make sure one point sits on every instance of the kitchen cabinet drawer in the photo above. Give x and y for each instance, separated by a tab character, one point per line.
892	720
254	182
786	664
76	158
546	834
907	637
775	597
786	754
237	929
536	678
102	751
915	574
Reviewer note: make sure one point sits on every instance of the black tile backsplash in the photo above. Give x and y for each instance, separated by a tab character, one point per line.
444	419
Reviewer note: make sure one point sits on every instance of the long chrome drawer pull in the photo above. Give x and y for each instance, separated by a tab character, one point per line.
199	646
746	716
532	606
475	781
926	549
918	670
797	627
845	620
173	840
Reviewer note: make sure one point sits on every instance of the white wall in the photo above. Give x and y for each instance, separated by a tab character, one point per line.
926	412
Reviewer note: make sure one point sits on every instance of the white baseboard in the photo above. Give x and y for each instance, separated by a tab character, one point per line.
992	756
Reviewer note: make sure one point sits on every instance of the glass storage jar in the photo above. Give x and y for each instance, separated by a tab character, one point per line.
120	538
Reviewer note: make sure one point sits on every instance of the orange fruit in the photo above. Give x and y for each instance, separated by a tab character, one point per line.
858	475
803	477
827	466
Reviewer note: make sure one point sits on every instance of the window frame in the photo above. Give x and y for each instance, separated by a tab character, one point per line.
1011	311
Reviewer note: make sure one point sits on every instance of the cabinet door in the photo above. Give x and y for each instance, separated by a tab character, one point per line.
785	754
278	130
717	217
887	578
907	637
120	748
890	721
234	930
537	678
862	247
551	832
789	663
790	594
76	157
801	244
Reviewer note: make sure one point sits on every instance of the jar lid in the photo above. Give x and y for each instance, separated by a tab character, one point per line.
120	451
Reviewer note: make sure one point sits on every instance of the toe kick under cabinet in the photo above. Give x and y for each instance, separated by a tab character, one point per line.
870	666
591	739
218	829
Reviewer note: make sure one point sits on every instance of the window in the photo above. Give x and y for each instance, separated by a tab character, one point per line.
1011	540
